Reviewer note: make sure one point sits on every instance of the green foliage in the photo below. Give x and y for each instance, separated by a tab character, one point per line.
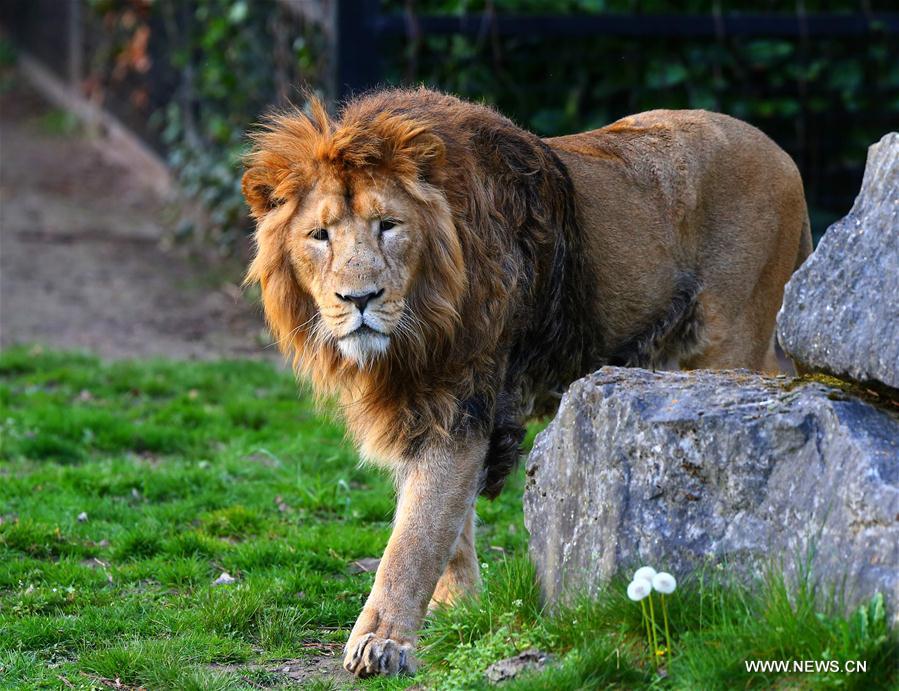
824	100
202	72
797	91
7	53
225	53
7	64
59	122
716	625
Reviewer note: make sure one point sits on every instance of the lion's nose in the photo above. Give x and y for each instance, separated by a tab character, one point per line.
361	301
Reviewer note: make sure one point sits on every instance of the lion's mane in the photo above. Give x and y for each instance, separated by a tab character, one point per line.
500	288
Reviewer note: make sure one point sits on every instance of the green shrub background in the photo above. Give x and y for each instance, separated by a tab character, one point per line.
226	62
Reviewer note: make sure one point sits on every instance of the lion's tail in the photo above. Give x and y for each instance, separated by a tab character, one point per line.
806	246
805	243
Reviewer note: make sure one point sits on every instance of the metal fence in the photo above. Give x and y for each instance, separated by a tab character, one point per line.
365	30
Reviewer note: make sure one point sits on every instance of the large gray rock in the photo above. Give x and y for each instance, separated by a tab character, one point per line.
841	308
673	468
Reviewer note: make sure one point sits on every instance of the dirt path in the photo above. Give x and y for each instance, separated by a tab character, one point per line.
82	258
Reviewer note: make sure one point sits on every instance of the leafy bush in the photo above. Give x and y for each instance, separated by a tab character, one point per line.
224	52
218	65
825	100
205	72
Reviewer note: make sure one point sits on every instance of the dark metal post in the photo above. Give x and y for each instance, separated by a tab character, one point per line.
358	64
75	39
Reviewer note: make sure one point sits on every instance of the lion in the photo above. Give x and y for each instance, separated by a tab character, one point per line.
446	274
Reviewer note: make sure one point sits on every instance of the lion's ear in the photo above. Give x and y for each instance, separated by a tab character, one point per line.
258	186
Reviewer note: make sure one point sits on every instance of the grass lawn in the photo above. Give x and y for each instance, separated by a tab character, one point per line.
188	470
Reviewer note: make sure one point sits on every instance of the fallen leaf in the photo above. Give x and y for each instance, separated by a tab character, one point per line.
225	579
365	565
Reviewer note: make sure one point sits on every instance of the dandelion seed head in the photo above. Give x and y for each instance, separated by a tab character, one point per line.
664	583
638	589
646	572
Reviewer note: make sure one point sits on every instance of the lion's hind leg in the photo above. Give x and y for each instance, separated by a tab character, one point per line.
462	575
671	336
732	338
701	331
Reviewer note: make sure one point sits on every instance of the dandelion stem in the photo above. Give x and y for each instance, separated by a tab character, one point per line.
655	645
665	617
646	626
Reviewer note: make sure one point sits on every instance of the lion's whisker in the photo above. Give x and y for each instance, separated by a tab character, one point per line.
412	326
320	334
293	331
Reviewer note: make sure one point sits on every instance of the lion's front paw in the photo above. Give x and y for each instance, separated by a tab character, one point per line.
370	654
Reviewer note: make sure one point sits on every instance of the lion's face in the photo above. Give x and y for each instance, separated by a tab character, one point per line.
355	250
358	258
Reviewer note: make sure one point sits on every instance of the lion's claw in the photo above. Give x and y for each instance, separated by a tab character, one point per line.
371	654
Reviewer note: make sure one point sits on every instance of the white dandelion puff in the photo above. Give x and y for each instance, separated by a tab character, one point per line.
645	572
664	583
638	589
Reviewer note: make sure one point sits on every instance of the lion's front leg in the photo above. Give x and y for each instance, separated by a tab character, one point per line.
437	493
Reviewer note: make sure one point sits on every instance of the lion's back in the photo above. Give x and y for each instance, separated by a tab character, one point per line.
679	153
668	193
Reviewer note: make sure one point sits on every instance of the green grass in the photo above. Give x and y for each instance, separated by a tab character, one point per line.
186	470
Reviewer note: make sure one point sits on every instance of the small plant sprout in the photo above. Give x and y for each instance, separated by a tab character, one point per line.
638	590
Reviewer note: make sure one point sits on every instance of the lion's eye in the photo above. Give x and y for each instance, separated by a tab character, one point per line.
387	224
319	234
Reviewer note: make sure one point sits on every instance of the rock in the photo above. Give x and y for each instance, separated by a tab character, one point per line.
841	308
225	579
674	468
527	661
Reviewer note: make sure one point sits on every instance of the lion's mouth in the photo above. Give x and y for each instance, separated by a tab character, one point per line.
363	344
364	330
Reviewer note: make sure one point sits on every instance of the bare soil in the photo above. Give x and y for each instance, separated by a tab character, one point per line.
85	261
321	666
